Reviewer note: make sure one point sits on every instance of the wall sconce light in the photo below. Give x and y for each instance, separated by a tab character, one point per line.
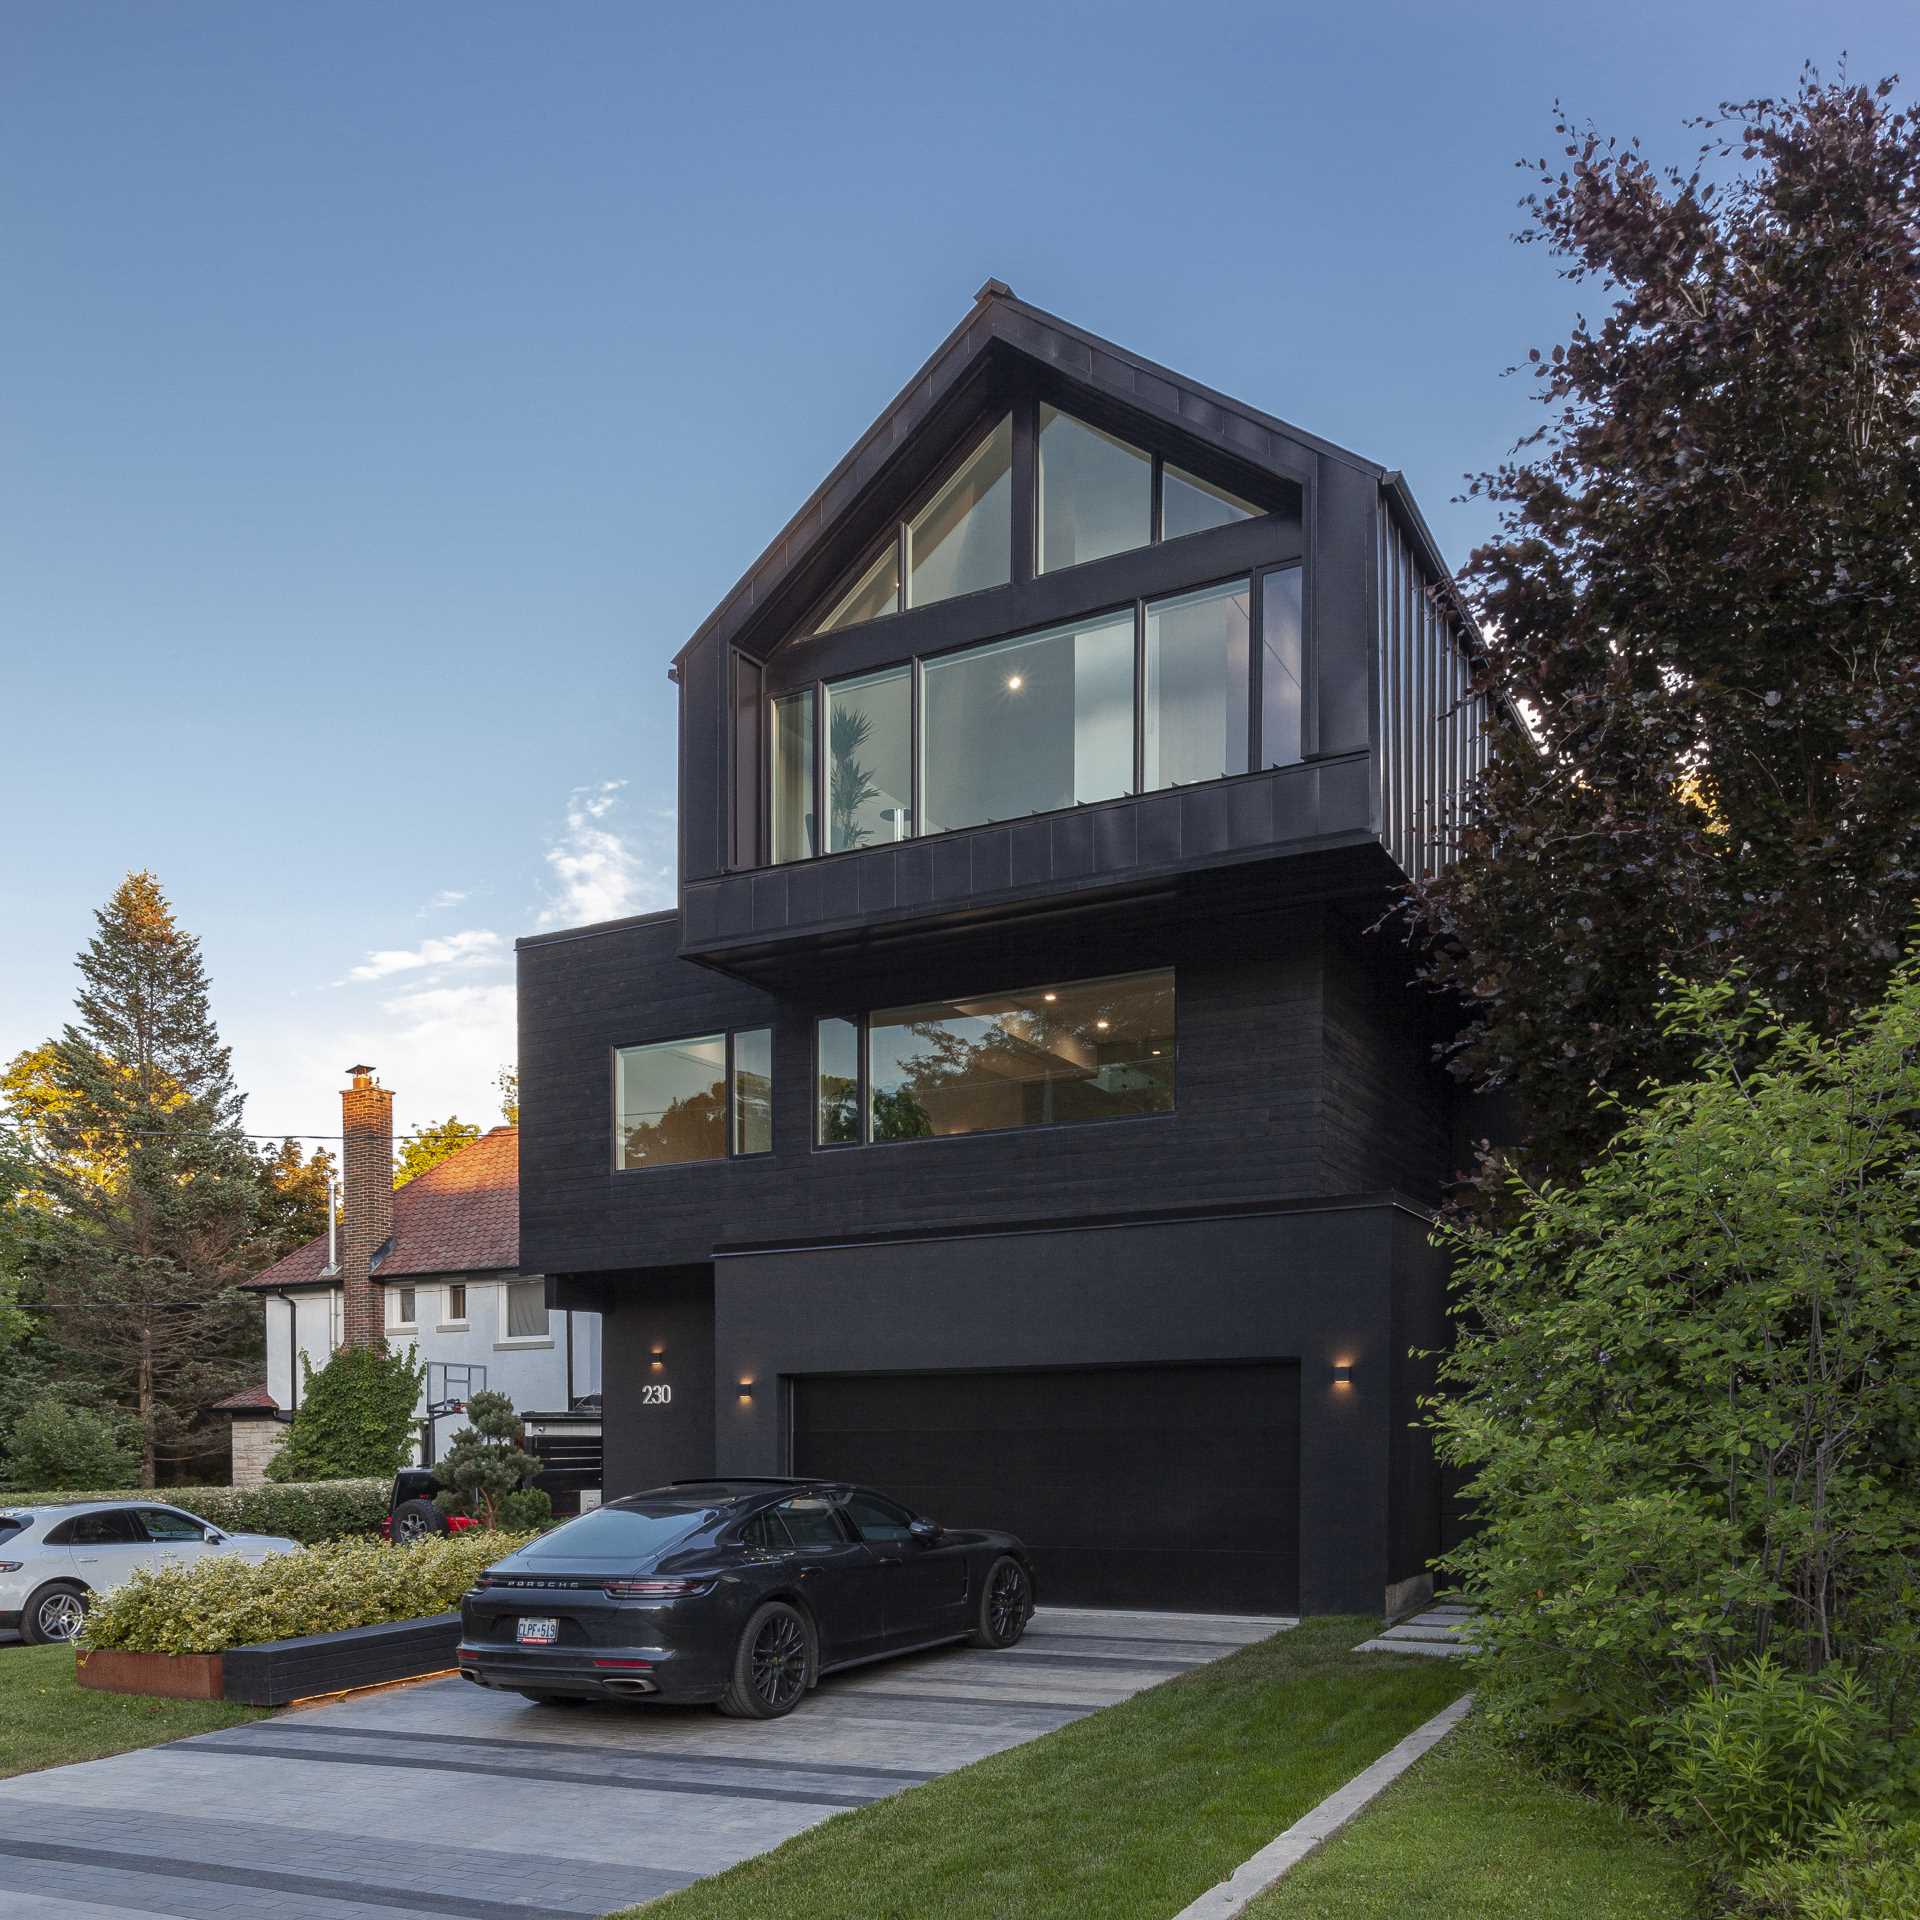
746	1389
1343	1374
659	1359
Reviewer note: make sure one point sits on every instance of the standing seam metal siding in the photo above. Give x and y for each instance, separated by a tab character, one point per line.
1432	732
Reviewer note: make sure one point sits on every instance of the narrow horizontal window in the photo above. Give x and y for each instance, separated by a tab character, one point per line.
1196	687
1189	504
1026	726
876	592
753	1091
962	539
1282	669
1096	493
870	759
794	836
670	1103
1043	1056
837	1047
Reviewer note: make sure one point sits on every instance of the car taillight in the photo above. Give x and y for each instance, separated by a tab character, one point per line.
653	1589
11	1566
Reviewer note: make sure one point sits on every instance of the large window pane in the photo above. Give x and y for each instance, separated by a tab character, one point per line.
753	1091
963	537
1096	493
1196	693
670	1103
793	825
1281	668
838	1043
1085	1050
877	591
1192	505
1025	726
870	759
526	1310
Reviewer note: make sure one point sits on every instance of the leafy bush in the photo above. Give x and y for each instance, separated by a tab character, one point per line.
1861	1867
57	1445
485	1464
309	1512
356	1416
223	1602
1688	1391
527	1511
1766	1758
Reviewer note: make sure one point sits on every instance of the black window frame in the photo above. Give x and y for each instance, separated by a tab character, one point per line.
1212	567
728	1116
862	1022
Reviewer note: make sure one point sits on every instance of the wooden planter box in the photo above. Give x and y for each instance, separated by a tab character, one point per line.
173	1676
276	1672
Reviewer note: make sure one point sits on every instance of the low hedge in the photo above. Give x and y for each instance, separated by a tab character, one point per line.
223	1602
305	1510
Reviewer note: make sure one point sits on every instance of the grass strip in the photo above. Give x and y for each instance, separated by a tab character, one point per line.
1471	1829
48	1719
1134	1811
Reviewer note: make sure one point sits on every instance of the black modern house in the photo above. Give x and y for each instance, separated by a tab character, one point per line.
1016	1113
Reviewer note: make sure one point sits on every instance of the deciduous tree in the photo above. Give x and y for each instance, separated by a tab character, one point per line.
1703	595
430	1146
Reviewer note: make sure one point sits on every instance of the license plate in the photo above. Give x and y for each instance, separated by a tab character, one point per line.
539	1633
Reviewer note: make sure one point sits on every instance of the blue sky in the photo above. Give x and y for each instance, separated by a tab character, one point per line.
386	392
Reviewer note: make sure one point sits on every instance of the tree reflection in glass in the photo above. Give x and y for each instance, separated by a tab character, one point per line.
1042	1056
672	1103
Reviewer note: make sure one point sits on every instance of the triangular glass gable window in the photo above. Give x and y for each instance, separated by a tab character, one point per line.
1192	505
1096	493
962	539
876	592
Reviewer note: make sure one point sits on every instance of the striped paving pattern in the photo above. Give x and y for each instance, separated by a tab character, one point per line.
343	1812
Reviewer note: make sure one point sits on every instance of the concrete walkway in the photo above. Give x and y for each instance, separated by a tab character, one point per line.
443	1800
1442	1632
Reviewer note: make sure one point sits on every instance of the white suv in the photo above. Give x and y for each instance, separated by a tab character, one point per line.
53	1560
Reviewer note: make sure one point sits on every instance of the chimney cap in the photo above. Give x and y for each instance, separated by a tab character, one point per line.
362	1075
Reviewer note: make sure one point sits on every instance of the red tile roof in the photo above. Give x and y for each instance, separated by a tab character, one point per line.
247	1400
462	1216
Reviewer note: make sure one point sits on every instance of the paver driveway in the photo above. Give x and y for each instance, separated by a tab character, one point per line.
441	1799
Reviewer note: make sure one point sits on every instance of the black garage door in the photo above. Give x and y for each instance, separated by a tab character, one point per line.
1135	1487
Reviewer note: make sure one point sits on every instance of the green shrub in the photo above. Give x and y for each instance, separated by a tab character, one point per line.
57	1445
1762	1761
528	1510
485	1464
1687	1388
223	1602
1860	1867
309	1512
356	1416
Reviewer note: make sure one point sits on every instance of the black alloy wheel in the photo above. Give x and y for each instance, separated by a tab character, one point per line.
773	1666
416	1520
1006	1604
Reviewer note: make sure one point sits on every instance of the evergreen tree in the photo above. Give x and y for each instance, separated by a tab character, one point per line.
147	1197
293	1198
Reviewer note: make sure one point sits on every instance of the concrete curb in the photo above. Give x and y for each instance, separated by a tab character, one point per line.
1285	1852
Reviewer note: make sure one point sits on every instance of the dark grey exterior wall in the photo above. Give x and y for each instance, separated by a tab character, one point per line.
1319	1287
1295	1079
670	1312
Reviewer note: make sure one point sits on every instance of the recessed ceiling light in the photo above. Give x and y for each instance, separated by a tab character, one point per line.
1014	683
1103	1025
1049	996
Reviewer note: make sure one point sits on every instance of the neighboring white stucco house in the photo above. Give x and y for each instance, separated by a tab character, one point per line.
442	1257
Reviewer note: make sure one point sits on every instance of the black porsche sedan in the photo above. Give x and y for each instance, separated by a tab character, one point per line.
736	1592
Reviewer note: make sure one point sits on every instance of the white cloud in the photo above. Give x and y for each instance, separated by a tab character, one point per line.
476	947
441	901
600	873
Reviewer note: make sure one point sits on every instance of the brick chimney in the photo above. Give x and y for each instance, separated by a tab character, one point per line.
366	1158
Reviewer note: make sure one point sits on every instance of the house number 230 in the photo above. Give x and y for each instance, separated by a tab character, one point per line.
655	1396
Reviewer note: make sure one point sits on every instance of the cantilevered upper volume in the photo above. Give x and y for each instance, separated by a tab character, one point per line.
1065	624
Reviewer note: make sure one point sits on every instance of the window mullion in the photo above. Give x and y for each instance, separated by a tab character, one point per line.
1256	671
1139	696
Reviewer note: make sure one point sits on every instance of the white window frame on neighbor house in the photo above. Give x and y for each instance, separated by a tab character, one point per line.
448	1322
398	1319
502	1337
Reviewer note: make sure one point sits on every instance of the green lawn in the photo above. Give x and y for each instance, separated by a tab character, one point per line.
48	1719
1134	1811
1472	1830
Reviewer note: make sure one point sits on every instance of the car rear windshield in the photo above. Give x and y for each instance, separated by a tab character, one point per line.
618	1534
12	1523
